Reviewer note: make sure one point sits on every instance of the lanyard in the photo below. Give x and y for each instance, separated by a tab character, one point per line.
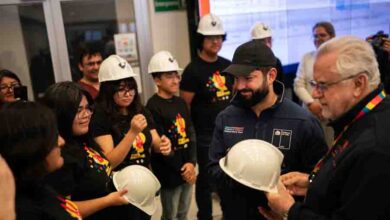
338	148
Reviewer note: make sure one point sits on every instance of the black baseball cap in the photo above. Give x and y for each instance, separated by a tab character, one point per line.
250	56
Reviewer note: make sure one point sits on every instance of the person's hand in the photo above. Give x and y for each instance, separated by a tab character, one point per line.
386	44
279	202
7	192
316	109
165	145
188	173
138	123
116	198
296	183
269	214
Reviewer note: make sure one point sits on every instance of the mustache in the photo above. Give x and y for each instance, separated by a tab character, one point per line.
245	90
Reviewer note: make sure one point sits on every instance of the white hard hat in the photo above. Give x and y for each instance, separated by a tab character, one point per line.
260	31
142	187
163	61
254	163
210	25
113	68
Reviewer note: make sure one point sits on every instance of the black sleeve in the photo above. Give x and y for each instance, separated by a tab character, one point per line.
216	152
64	180
156	117
313	146
149	118
100	124
29	214
188	81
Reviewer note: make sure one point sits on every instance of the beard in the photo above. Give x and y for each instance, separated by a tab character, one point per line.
257	97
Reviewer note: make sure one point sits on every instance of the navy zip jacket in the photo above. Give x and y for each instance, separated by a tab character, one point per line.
286	125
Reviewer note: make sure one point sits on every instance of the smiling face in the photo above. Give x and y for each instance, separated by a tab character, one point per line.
7	86
82	118
252	89
168	83
90	67
337	98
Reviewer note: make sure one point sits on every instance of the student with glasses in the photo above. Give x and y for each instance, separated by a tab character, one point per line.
322	32
86	172
121	125
8	81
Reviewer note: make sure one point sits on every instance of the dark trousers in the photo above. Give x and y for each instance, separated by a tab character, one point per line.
202	187
241	202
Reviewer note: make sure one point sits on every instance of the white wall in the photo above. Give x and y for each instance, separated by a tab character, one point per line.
170	32
12	50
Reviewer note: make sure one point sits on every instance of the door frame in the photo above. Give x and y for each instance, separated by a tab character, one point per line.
58	45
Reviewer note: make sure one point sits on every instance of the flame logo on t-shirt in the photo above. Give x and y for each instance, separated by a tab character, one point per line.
95	160
217	84
181	129
138	145
70	207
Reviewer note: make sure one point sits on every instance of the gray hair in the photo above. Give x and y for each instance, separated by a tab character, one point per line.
354	56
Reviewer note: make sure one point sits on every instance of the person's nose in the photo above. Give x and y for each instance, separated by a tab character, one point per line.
316	93
239	84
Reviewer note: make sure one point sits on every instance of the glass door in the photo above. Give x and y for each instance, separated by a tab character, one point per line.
24	46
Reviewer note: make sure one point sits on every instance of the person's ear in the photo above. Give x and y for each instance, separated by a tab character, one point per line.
271	75
361	84
81	68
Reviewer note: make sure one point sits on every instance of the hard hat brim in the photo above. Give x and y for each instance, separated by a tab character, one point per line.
150	209
246	183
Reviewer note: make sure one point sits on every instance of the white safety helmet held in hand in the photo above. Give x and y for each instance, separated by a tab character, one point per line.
254	163
113	68
210	25
142	187
163	61
261	31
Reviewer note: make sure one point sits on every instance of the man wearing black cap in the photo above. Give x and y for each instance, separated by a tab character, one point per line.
260	111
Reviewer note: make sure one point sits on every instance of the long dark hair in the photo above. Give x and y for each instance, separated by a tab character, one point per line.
105	99
64	99
28	133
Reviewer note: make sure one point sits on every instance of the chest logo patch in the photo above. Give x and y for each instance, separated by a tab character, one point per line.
178	130
96	161
217	85
233	130
281	138
137	150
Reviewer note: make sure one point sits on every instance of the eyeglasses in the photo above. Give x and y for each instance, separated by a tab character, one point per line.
213	37
124	90
172	76
323	35
5	87
323	86
85	110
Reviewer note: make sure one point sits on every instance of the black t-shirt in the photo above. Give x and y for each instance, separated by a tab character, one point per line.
213	91
85	175
117	127
172	119
43	202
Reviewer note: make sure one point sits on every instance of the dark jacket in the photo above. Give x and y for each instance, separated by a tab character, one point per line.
355	183
289	127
